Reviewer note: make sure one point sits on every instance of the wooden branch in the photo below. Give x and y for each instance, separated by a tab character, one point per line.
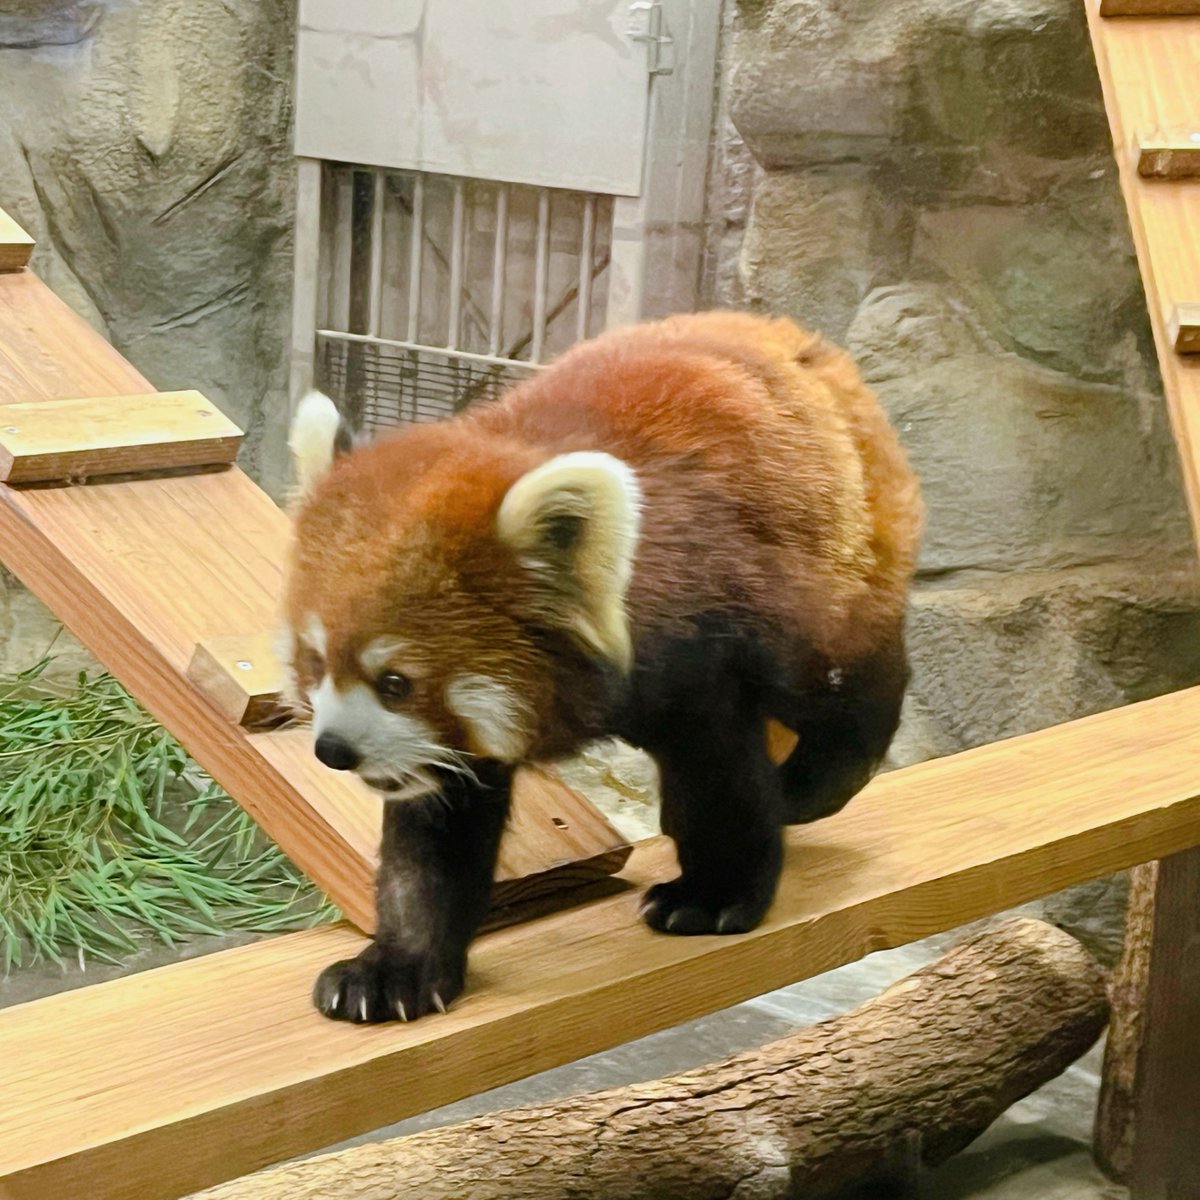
1148	1121
851	1101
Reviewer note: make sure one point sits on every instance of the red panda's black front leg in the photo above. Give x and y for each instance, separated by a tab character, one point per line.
721	804
435	879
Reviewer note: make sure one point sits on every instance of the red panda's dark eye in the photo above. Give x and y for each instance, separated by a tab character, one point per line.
391	685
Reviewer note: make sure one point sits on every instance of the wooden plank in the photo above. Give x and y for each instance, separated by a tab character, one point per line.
240	674
1149	8
255	1074
144	570
1148	71
51	441
1183	329
1168	156
16	245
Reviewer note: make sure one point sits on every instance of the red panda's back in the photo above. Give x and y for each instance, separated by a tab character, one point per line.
785	433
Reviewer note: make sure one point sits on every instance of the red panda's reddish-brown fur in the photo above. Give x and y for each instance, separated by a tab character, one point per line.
766	465
764	530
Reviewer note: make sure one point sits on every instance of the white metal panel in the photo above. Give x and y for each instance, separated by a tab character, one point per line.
546	92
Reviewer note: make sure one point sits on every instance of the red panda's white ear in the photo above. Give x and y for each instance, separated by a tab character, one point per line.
574	523
317	436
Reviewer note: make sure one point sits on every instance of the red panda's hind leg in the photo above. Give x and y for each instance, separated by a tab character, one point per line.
843	733
721	804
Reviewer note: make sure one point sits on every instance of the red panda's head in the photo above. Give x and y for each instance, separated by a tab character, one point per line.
426	572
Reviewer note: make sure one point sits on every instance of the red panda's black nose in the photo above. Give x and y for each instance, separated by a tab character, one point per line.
336	752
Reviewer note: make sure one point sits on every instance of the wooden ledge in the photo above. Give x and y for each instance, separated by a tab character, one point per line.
1149	8
1168	156
1183	328
162	1083
16	245
55	441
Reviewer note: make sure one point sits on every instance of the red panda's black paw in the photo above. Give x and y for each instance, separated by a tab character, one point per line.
384	984
674	908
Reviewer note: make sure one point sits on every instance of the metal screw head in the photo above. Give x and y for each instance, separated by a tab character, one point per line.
11	429
244	664
203	412
1194	137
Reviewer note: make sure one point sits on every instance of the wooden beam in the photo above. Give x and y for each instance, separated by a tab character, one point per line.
253	1074
240	674
1183	329
16	245
1149	8
144	570
56	441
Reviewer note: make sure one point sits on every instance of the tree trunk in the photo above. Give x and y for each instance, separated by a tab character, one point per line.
911	1076
1148	1122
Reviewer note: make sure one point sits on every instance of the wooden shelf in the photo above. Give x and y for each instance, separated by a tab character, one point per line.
156	1085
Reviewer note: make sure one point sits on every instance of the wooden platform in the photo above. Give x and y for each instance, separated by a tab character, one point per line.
155	1085
145	569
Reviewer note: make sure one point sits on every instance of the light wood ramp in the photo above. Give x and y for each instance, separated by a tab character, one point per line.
143	568
154	1085
1150	71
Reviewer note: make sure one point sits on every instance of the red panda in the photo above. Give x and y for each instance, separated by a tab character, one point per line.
675	534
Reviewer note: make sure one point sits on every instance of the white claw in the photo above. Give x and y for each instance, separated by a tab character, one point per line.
439	1003
362	1009
401	1010
337	995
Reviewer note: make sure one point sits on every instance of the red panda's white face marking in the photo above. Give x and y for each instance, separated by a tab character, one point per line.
395	749
499	724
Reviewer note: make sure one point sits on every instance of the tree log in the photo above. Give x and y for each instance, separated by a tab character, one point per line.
911	1076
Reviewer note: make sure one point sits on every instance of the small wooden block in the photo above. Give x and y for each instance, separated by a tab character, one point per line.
1168	156
15	244
241	675
1183	328
1149	8
50	441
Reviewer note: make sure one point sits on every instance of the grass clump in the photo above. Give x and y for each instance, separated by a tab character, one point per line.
110	833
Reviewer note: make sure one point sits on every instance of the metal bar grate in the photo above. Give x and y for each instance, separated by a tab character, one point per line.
440	291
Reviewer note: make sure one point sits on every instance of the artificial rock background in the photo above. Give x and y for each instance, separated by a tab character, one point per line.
928	181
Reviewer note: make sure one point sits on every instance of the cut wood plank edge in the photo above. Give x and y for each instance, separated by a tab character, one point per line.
16	246
1149	8
1168	156
55	441
1183	328
242	677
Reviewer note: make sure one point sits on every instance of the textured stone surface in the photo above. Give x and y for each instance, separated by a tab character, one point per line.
146	147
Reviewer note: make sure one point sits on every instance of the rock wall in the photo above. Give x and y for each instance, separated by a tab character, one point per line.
146	146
